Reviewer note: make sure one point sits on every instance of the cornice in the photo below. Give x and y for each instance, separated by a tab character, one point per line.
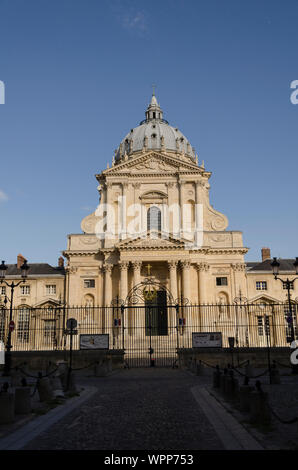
80	252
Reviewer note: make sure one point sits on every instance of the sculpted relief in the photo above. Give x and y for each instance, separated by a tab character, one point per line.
154	164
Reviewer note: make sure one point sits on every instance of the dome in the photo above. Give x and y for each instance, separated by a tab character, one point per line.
155	133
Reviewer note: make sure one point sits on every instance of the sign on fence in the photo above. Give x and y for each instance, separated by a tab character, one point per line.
94	341
206	340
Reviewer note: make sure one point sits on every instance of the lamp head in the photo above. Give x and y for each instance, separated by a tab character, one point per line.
3	269
275	266
24	270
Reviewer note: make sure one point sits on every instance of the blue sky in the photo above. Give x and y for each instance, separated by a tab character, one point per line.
78	77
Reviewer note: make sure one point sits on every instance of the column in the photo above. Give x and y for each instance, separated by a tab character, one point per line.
100	313
181	206
186	279
173	278
173	289
123	265
198	217
109	214
108	299
201	279
136	272
138	317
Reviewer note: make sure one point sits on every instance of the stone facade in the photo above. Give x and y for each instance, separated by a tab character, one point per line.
189	250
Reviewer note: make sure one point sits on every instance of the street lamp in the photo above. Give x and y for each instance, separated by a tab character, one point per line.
12	285
288	283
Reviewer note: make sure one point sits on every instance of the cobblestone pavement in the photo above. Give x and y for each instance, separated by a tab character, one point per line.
137	409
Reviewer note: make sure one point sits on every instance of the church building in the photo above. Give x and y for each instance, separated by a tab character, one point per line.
154	214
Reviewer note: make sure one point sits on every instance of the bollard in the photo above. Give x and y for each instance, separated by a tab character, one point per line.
223	379
216	377
62	372
22	404
44	389
258	406
57	387
199	370
231	386
100	369
6	406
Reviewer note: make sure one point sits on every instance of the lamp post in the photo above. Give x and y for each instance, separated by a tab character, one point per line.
275	268
12	286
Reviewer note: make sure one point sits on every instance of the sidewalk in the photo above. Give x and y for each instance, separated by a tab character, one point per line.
18	439
232	434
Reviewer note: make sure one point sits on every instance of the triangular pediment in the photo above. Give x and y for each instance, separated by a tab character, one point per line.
153	162
151	240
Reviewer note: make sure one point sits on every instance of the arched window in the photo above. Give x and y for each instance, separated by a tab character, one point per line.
154	218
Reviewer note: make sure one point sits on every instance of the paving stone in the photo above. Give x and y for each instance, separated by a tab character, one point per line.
139	409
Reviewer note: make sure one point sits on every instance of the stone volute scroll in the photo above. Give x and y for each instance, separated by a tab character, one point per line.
213	220
88	223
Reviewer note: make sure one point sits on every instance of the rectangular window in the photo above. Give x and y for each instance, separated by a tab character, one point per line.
221	281
2	290
51	289
261	285
23	325
49	329
25	290
263	325
284	285
89	283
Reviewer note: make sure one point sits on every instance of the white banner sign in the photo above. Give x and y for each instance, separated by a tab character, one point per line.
94	341
206	340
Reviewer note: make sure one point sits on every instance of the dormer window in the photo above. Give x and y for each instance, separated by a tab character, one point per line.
153	136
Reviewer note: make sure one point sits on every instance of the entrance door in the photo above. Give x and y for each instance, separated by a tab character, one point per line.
156	315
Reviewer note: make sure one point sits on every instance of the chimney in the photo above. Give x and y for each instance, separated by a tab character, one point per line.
20	260
266	254
61	262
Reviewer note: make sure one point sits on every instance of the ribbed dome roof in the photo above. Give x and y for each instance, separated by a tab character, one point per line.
155	133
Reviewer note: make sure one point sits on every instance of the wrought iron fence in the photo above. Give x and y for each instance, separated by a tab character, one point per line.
137	328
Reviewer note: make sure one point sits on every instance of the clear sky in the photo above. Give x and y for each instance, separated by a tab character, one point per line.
78	77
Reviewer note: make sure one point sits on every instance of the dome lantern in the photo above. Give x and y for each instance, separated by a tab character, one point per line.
154	111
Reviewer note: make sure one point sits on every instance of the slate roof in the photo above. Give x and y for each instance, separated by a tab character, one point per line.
285	265
35	269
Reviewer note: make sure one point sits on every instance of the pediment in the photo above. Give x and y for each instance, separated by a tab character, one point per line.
49	303
151	240
153	162
263	298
